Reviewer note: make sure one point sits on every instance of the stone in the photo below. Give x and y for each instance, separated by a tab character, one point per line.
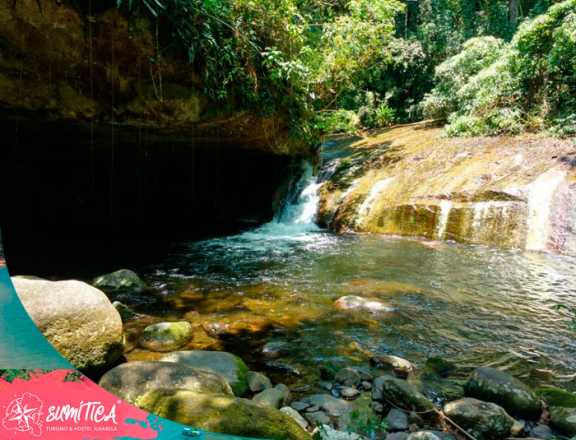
223	414
78	320
400	393
131	380
126	313
284	368
377	407
348	377
326	432
541	431
275	397
120	280
274	349
349	393
430	435
483	420
518	428
330	405
496	386
357	303
366	385
296	416
316	418
397	436
396	420
166	336
299	405
401	367
325	385
231	367
258	382
563	420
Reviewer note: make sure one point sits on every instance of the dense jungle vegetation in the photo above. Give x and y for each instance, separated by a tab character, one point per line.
485	66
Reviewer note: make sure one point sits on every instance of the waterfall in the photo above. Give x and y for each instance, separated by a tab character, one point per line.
445	207
301	204
540	198
366	206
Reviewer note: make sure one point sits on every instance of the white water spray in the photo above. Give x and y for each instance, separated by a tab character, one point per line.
445	207
540	199
366	206
301	206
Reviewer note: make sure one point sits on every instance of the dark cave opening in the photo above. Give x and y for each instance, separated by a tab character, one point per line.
80	198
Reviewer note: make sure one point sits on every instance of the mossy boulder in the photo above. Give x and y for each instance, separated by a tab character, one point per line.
563	419
394	391
499	387
229	366
76	318
166	336
134	379
123	280
223	414
483	420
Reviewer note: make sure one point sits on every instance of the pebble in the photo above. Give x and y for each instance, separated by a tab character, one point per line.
349	393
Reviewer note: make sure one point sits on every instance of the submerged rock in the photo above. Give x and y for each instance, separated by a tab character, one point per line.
230	366
401	367
258	382
357	303
348	377
76	318
119	281
391	390
499	387
166	336
131	380
483	420
224	414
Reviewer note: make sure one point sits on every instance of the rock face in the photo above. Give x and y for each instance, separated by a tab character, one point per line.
357	303
390	390
76	318
134	379
499	387
222	414
166	336
484	420
505	192
121	280
231	367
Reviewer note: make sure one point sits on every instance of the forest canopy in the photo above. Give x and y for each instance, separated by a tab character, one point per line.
487	67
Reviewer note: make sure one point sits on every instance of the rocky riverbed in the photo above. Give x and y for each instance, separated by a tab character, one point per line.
383	397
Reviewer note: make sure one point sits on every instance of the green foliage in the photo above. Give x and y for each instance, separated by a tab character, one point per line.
337	121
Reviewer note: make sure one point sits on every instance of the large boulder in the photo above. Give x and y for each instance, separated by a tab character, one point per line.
231	367
398	392
224	414
499	387
134	379
123	280
166	336
76	318
483	420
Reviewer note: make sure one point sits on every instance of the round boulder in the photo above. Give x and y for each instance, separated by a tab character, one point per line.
483	420
134	379
76	318
224	414
499	387
231	367
166	336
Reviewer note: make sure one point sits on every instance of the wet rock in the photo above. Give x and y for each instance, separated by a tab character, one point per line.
357	303
365	385
258	382
398	392
518	428
78	320
541	431
316	418
275	397
396	420
397	436
123	280
313	408
274	349
224	414
237	324
335	392
563	419
330	405
166	336
300	406
349	393
325	385
377	407
231	367
326	432
348	377
126	313
430	435
284	368
401	367
483	420
499	387
131	380
296	416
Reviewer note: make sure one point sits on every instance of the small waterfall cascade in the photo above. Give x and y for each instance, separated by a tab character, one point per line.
540	199
445	207
366	206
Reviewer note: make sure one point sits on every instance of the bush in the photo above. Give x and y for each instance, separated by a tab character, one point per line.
337	121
